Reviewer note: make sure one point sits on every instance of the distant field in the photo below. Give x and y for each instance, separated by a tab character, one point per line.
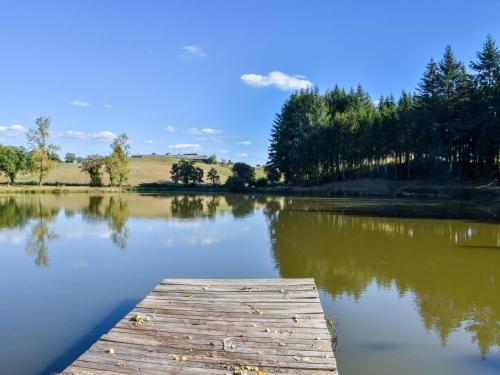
144	170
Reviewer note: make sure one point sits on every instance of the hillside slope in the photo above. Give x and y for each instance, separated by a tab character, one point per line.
143	170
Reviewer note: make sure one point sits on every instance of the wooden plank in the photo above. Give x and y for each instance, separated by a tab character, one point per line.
217	326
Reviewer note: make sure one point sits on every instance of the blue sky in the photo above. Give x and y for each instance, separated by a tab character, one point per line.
184	76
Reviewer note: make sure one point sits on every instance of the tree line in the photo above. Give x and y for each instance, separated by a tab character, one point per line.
243	175
449	128
40	158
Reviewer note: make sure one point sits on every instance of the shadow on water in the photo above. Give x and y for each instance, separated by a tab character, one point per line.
403	209
85	342
481	247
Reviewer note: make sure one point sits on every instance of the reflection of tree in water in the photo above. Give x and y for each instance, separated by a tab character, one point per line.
93	211
114	211
212	205
17	213
241	205
14	214
41	233
117	214
186	207
449	265
272	207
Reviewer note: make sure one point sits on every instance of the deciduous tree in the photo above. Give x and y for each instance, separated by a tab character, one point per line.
41	149
117	162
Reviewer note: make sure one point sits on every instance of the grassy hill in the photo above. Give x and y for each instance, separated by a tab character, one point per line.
142	170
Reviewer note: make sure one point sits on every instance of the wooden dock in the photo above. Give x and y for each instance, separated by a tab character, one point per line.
272	326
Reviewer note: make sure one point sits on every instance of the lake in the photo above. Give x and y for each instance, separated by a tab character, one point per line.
413	286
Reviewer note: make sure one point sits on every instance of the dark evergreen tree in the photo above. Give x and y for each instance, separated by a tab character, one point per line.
448	129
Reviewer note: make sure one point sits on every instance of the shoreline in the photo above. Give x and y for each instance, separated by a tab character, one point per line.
353	188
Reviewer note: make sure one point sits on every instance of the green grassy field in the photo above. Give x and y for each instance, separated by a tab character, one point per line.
143	170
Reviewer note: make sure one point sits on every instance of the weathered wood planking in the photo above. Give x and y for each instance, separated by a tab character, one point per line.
275	326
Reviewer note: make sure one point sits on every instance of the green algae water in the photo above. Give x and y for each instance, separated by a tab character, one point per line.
413	286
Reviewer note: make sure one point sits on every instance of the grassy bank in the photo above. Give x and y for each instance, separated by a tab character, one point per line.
146	170
55	189
355	188
396	189
153	175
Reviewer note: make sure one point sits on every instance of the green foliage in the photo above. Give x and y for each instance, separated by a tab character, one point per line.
273	174
448	129
187	172
296	134
92	165
41	151
70	158
235	184
212	159
261	182
54	156
213	176
175	176
245	172
13	160
116	163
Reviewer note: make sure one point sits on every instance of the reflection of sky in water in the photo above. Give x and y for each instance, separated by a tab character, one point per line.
398	307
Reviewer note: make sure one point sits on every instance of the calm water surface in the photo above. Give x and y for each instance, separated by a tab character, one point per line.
414	287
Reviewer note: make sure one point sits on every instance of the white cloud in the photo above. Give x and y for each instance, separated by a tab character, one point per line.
210	131
193	131
192	51
242	154
204	131
185	146
80	103
169	129
12	131
72	134
12	236
244	143
209	135
152	142
276	79
102	136
108	106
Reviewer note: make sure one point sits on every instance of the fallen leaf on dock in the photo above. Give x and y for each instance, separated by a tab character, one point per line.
138	320
302	359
